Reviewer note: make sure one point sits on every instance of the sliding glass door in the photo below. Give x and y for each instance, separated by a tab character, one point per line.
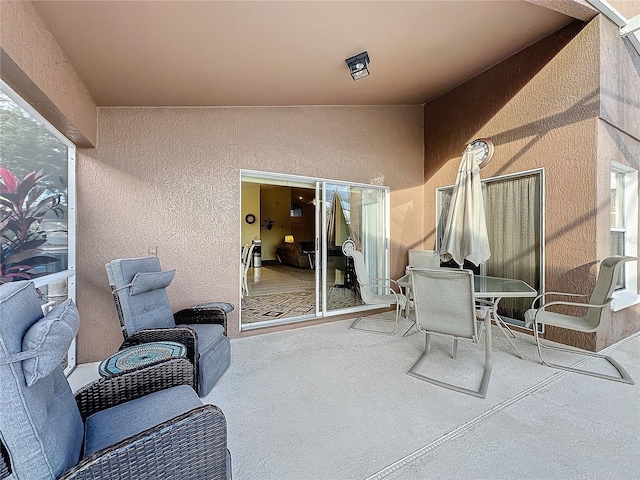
359	213
302	273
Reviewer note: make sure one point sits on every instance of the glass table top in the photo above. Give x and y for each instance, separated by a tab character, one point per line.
490	286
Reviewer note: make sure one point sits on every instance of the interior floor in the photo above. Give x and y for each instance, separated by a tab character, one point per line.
278	291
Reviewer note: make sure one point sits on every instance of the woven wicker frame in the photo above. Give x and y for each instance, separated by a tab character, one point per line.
190	446
181	333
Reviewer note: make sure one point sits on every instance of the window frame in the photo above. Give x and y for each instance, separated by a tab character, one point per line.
627	295
484	181
70	273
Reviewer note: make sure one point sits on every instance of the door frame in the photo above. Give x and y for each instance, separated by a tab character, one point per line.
320	222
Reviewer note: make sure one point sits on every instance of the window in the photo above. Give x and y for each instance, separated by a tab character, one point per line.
37	180
514	213
624	227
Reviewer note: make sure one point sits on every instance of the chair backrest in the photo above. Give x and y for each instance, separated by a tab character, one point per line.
444	301
243	256
605	286
366	292
40	424
139	290
424	258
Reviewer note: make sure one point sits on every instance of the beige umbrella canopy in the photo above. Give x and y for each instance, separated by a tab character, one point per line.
465	234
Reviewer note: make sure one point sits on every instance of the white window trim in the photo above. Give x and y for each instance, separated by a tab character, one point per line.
70	273
628	296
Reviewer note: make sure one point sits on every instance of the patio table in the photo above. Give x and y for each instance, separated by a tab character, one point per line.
136	356
491	288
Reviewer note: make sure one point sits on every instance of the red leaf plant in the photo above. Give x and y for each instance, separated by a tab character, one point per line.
23	205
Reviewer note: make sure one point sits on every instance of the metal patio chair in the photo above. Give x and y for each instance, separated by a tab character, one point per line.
369	290
599	299
445	304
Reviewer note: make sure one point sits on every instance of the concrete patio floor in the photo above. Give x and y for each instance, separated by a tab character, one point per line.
324	402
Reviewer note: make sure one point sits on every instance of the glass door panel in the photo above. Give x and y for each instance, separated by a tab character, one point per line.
356	212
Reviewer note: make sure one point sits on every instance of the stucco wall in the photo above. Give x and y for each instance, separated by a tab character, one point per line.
550	106
171	178
618	141
539	108
33	65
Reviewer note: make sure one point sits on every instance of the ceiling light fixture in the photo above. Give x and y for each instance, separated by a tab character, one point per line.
358	65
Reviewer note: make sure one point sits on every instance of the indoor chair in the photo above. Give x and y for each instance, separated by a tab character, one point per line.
369	288
247	254
445	304
146	423
599	299
139	286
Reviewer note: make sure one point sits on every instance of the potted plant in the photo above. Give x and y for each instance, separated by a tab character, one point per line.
23	205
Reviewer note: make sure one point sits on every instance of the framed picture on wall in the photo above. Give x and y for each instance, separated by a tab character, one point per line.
296	210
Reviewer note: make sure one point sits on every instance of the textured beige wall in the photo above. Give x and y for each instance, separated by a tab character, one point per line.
568	104
539	108
33	65
171	178
619	141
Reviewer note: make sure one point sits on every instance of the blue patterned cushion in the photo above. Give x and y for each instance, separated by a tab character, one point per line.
50	338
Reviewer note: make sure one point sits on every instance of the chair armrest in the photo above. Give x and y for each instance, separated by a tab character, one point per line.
192	445
572	304
485	301
4	461
378	282
390	290
542	295
123	387
214	315
575	304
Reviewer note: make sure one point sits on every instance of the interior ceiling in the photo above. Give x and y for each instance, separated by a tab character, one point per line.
239	53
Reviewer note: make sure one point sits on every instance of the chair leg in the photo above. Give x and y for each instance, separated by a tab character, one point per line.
502	326
353	325
624	375
484	383
409	329
455	348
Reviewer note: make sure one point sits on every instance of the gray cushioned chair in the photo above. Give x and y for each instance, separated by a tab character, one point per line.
139	286
146	423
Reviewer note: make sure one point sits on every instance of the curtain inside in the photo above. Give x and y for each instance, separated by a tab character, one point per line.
513	224
512	209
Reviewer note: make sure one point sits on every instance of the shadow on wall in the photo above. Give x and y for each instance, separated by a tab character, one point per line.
481	107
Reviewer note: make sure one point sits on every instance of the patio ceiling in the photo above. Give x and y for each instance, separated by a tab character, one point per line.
187	53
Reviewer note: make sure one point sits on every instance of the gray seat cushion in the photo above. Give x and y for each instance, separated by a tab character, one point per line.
115	424
215	355
41	425
50	339
147	308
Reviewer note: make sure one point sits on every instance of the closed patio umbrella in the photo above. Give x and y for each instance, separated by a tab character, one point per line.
465	234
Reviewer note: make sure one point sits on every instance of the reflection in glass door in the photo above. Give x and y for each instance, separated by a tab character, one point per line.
349	211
